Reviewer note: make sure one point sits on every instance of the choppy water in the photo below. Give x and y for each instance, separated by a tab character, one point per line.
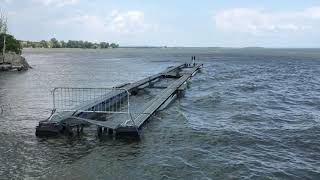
250	114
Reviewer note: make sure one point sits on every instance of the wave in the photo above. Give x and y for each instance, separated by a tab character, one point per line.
207	100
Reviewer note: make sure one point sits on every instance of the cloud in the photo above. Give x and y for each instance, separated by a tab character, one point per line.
130	22
56	3
261	22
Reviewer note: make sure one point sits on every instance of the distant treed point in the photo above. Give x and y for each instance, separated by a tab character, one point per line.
54	43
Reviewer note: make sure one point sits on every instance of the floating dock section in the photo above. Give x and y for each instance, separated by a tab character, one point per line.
122	110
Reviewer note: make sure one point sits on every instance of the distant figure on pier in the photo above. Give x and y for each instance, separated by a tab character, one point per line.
193	60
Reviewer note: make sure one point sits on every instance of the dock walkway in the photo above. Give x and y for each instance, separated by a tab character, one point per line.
130	123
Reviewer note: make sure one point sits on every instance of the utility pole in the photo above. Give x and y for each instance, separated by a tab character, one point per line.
5	29
1	27
4	47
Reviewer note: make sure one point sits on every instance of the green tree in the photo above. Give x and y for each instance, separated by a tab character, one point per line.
12	45
114	45
43	44
69	44
63	44
104	45
55	43
88	45
29	44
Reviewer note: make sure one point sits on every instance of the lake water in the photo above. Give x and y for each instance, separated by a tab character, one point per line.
249	114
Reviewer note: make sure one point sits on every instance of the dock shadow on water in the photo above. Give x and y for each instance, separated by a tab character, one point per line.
244	116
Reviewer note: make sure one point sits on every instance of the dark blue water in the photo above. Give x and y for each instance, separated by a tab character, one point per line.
249	114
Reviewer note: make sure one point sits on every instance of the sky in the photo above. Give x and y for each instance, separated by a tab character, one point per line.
186	23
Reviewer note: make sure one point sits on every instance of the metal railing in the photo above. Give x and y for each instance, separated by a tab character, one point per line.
97	100
68	102
91	100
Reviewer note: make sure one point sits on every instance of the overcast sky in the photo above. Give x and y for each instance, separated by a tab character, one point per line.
232	23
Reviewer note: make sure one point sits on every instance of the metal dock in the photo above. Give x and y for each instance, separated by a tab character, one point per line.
122	110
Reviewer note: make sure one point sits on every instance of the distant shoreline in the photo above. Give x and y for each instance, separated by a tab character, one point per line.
177	47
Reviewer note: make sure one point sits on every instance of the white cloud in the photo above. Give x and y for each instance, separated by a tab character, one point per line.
313	12
130	22
56	3
261	22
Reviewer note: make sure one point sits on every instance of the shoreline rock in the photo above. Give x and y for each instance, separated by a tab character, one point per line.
12	62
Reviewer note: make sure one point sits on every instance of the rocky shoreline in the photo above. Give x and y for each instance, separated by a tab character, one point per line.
13	62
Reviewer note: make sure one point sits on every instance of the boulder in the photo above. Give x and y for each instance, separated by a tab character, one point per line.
15	61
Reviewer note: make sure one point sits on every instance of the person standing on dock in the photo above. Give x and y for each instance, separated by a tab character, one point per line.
194	60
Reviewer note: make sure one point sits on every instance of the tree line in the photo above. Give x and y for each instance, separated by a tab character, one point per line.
54	43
